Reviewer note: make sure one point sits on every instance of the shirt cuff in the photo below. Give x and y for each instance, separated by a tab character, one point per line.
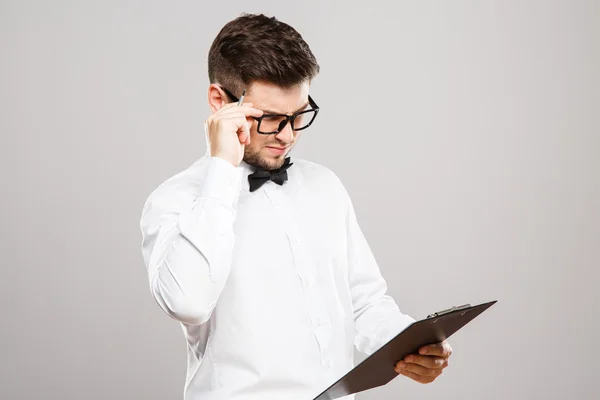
222	181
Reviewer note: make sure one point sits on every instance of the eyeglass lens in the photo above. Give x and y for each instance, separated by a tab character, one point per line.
275	122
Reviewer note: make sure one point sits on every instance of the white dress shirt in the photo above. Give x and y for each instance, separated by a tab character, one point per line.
273	288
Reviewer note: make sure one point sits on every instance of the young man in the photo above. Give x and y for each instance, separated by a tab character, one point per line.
261	259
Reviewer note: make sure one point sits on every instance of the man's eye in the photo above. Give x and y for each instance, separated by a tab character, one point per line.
273	118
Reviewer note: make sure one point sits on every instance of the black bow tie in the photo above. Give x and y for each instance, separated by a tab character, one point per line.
261	175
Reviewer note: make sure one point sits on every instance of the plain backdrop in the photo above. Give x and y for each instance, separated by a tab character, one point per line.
467	133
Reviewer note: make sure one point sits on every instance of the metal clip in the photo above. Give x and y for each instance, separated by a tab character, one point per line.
449	310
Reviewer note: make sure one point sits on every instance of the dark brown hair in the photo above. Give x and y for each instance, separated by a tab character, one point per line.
254	47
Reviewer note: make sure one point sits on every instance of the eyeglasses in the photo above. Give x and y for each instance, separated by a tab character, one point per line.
269	124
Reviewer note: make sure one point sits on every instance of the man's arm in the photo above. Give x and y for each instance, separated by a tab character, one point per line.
188	241
376	315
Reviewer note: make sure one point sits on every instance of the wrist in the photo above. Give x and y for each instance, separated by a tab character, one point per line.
222	180
229	159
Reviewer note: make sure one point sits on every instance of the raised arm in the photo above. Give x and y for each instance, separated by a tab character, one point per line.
188	240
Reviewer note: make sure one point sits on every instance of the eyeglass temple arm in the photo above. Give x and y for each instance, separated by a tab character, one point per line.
228	93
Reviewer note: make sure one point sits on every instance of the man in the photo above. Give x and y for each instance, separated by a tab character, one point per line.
259	258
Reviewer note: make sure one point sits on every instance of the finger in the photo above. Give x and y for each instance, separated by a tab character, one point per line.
419	370
442	349
244	109
417	378
426	361
229	117
243	131
235	104
246	133
249	122
241	126
225	107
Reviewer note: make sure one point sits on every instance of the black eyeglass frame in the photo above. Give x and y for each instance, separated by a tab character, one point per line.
288	118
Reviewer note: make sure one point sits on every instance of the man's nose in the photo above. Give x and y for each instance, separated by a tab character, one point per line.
286	134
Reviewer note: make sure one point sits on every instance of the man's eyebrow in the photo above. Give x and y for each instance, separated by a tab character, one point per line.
298	110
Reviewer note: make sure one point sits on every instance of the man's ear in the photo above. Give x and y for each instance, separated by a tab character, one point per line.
216	97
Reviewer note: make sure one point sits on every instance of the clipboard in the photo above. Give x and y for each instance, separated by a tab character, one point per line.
378	369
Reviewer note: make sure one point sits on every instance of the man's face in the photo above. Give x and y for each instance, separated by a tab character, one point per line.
269	151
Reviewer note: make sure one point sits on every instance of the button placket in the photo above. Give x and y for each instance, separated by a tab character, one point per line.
305	269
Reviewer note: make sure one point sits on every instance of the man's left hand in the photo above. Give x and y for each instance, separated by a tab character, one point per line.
427	365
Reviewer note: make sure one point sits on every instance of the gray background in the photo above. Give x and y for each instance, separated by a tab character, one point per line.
466	132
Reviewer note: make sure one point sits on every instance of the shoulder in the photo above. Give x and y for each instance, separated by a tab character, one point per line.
179	188
315	172
320	178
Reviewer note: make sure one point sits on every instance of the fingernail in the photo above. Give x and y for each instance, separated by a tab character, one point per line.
401	364
424	351
410	359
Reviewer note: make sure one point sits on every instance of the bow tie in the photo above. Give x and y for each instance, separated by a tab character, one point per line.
262	176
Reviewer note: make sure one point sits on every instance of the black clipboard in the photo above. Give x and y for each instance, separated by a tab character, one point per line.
378	369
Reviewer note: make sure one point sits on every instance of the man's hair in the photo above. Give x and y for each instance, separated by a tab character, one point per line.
255	48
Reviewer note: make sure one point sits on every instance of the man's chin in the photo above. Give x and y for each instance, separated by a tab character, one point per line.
267	159
273	161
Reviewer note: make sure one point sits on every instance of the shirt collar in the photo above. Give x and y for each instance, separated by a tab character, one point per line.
245	170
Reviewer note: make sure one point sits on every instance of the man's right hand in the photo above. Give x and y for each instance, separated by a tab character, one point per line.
228	131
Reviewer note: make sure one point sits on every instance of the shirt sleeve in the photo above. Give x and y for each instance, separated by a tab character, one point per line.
188	240
377	317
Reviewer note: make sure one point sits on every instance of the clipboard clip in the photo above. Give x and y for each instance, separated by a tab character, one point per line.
448	311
